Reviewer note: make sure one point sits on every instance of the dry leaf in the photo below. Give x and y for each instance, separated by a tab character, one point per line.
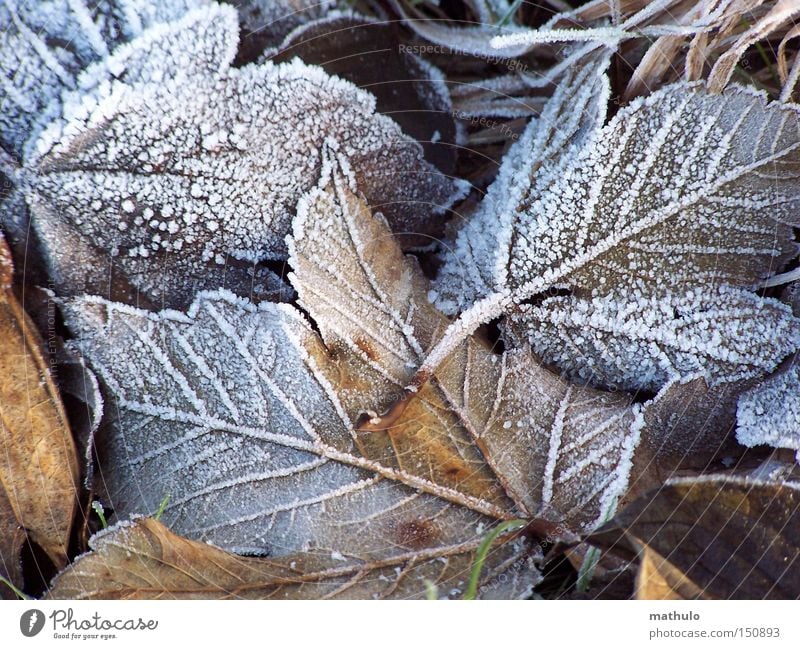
658	579
38	467
144	560
720	537
680	190
635	342
125	181
243	416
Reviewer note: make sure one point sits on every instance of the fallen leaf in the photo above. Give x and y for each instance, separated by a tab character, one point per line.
370	53
144	560
659	579
38	468
713	537
689	426
244	416
180	208
681	190
635	342
543	153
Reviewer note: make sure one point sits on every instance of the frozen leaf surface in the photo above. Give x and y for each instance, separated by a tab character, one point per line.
681	189
44	45
530	426
770	412
545	151
637	342
144	560
245	417
198	174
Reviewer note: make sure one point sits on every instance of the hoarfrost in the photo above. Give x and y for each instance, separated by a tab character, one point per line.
641	342
770	412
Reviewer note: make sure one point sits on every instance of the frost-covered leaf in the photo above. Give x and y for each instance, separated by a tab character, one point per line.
769	413
44	44
530	426
545	151
636	342
728	537
681	189
370	54
191	182
245	418
202	42
144	560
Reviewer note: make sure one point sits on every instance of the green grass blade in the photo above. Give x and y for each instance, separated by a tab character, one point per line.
483	551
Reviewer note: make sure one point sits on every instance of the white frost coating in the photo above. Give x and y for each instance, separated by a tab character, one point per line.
262	461
201	42
679	189
475	266
45	44
770	412
608	36
241	147
631	341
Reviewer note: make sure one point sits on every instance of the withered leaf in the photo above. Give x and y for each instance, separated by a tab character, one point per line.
543	153
144	560
191	181
680	190
532	428
635	342
721	537
38	466
245	418
689	425
659	579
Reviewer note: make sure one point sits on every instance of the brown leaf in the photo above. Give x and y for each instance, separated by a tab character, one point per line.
713	537
144	560
659	579
689	425
271	463
38	466
370	54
